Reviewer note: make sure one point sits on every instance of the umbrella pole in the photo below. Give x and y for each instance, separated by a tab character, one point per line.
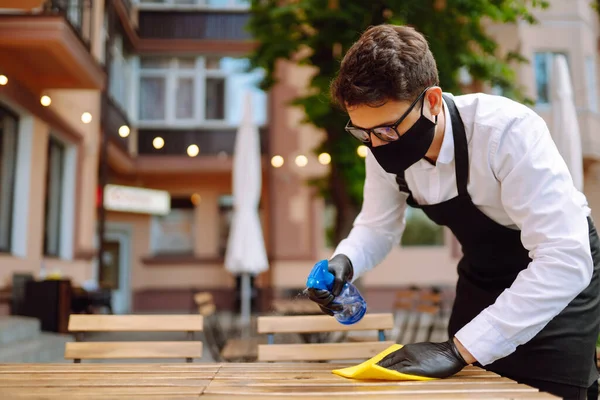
245	303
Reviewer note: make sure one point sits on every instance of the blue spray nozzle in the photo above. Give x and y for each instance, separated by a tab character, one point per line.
320	277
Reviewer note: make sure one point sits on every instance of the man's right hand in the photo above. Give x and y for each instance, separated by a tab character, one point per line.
341	268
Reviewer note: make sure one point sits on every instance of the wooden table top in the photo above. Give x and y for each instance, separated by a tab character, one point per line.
250	381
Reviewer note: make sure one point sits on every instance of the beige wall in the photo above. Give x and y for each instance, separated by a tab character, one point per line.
176	275
69	105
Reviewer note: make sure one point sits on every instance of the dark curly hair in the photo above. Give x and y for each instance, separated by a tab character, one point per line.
388	62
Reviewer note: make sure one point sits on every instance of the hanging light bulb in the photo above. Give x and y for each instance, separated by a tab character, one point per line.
158	142
277	161
362	151
3	80
124	131
301	161
324	158
193	150
45	100
86	117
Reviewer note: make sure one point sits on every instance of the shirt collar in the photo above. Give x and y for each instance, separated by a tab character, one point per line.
447	150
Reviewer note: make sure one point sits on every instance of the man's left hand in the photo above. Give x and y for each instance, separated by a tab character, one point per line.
432	360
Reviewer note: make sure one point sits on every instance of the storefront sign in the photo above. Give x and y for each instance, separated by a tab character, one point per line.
136	200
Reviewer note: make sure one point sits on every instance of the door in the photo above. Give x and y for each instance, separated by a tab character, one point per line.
116	269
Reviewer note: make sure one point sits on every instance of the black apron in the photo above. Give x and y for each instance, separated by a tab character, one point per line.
493	255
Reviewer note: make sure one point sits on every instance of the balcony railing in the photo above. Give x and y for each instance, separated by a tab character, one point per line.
207	25
176	142
113	119
79	14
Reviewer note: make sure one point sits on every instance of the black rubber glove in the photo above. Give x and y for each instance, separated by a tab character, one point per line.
433	360
341	268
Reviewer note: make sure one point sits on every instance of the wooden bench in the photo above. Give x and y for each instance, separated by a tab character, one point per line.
321	351
80	324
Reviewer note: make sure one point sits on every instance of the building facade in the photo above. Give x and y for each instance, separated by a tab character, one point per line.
51	79
148	95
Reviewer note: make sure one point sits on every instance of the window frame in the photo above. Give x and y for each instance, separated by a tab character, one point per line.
155	224
67	191
549	56
171	73
9	248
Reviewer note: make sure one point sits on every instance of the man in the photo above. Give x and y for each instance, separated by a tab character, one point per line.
527	299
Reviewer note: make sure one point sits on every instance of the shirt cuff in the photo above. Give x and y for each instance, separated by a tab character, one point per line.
485	343
350	251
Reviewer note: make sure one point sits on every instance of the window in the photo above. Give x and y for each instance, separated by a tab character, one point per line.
193	92
8	164
174	233
54	192
219	4
120	74
591	83
420	230
543	71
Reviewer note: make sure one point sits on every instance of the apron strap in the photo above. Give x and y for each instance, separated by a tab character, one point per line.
461	147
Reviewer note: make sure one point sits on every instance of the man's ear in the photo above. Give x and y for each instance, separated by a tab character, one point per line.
434	98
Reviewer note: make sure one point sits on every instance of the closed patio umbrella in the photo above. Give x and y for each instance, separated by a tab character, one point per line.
246	254
565	130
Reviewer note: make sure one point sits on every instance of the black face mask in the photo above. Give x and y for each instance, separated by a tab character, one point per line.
395	157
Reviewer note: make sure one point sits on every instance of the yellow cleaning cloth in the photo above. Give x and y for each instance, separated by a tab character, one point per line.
370	371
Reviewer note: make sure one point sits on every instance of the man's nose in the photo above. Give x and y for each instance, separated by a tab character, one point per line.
375	141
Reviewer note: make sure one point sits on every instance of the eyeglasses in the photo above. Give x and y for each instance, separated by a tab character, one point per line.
387	133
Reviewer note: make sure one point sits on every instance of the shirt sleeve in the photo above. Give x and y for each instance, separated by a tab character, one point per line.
538	194
380	223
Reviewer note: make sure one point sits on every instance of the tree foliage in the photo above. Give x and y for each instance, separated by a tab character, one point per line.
317	33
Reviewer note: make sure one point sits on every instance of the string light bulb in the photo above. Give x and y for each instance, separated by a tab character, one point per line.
45	100
124	131
158	143
277	161
324	158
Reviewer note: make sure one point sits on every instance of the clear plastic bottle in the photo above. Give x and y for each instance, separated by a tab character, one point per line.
354	306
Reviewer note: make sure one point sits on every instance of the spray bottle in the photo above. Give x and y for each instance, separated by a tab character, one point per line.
353	305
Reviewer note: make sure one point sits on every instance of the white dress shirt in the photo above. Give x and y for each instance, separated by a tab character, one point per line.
518	179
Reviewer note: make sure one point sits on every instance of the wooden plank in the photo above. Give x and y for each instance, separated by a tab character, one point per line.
135	323
412	388
84	392
207	310
150	368
123	350
91	382
509	395
335	380
113	376
321	351
203	297
322	323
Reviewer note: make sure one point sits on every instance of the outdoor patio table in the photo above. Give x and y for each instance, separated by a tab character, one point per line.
247	381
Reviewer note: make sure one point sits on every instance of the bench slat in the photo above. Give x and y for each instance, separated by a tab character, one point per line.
135	323
122	350
321	351
322	323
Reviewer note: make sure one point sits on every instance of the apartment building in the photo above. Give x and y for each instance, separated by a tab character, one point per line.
146	98
51	79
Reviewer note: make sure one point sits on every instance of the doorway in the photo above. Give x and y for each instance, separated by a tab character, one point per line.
116	273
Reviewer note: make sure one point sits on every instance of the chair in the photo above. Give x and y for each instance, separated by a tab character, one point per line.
221	348
272	325
213	332
83	323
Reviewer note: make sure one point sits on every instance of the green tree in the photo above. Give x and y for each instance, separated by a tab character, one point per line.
327	28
